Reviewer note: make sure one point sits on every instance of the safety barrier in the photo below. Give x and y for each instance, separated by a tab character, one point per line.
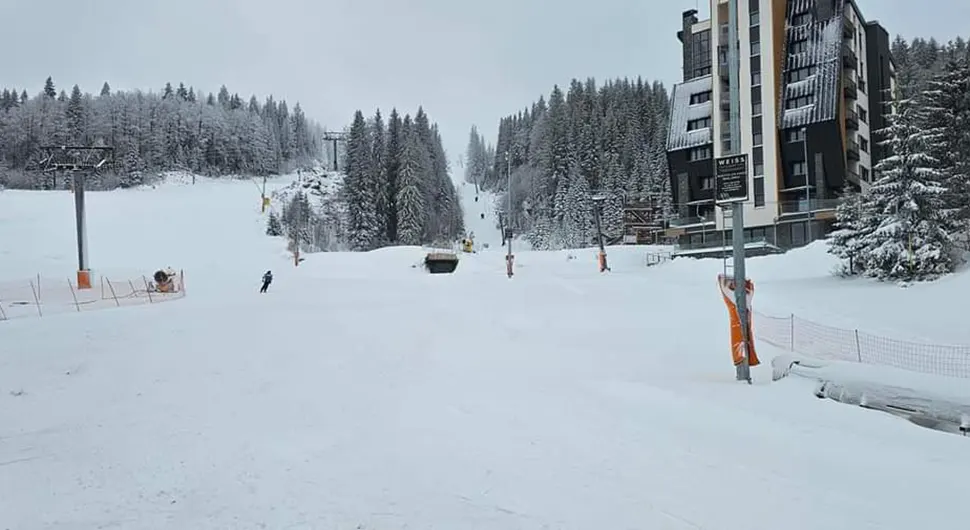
41	296
830	343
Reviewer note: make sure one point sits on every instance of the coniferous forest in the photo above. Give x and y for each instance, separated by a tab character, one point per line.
913	222
607	141
176	129
397	186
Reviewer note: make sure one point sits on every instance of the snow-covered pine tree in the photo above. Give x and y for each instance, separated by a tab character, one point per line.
75	116
393	167
912	234
378	166
945	106
363	228
273	225
414	165
612	215
577	225
853	226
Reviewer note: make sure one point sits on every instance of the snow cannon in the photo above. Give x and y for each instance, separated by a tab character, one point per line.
164	281
441	262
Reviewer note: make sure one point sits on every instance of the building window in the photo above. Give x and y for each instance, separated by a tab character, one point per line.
799	168
800	101
759	169
759	192
864	171
799	46
701	52
700	123
707	183
755	78
862	85
795	135
701	97
755	48
864	145
757	139
699	153
800	74
755	19
756	109
801	19
863	115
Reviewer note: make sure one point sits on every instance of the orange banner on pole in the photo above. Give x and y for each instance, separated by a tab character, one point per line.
727	286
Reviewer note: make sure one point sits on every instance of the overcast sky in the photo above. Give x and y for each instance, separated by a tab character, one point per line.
466	62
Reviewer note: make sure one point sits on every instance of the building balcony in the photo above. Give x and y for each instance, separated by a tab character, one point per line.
852	176
850	88
851	120
849	59
848	28
807	206
699	220
852	150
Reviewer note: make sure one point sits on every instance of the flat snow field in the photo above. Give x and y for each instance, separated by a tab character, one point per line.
364	393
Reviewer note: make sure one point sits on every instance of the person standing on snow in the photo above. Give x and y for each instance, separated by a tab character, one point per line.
267	279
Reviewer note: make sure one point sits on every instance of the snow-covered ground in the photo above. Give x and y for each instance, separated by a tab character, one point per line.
361	392
481	216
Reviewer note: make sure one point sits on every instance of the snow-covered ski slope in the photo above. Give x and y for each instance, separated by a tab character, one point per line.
361	392
481	217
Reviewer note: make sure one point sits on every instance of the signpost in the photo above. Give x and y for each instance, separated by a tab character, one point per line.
731	191
731	179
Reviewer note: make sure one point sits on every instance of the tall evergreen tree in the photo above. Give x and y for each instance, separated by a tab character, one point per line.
912	234
392	161
359	189
414	163
378	165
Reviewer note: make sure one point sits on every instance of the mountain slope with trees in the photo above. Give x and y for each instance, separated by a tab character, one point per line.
176	129
396	190
608	140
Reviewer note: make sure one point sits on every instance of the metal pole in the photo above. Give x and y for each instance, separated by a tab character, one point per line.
508	218
335	168
262	207
808	190
79	213
740	276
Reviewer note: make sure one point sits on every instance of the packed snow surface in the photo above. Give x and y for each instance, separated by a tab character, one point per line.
362	393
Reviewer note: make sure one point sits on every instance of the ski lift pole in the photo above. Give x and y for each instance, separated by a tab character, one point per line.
509	257
598	201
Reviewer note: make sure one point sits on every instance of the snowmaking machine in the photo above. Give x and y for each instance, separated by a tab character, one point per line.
164	281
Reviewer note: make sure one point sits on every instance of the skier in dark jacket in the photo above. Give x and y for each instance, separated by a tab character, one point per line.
267	279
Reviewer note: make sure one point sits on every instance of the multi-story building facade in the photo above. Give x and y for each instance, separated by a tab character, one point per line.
815	80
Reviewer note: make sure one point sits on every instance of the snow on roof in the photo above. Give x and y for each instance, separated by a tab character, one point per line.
824	52
681	111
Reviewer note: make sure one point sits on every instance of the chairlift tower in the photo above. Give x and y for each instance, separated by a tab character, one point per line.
335	137
80	162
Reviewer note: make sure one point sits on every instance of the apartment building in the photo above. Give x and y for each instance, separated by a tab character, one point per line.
815	79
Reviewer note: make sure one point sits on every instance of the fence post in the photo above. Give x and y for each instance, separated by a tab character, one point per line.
74	295
36	298
148	290
791	333
113	295
858	348
3	316
182	281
